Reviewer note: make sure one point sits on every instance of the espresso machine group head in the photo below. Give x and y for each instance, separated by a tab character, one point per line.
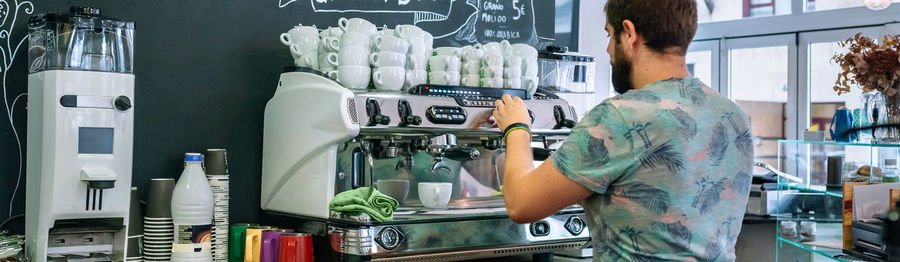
80	135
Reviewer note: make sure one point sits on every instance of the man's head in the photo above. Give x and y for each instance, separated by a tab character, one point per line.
642	28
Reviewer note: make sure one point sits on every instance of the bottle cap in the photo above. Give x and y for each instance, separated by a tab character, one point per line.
193	157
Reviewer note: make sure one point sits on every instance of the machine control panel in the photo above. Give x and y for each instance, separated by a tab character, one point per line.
575	225
469	96
389	238
540	228
446	115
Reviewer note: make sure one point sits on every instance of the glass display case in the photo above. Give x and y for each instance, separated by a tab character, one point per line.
812	188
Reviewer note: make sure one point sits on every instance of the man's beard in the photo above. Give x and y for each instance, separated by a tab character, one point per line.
621	72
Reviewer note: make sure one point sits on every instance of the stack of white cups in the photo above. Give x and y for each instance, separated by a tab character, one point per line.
529	66
492	64
420	46
353	58
444	66
303	42
512	72
329	46
388	61
471	65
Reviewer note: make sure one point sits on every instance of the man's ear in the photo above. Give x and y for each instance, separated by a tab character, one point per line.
629	37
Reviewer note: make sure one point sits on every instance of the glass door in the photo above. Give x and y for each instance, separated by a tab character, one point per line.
760	76
703	61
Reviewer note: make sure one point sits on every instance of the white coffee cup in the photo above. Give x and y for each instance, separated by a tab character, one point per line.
299	34
331	32
406	31
429	40
331	74
470	53
354	77
510	72
492	82
309	61
502	47
355	40
386	31
330	44
470	80
491	71
415	77
391	43
525	51
512	61
328	61
530	68
354	57
417	46
530	84
389	78
471	68
387	59
416	62
443	78
298	50
395	188
444	63
447	51
491	60
435	195
515	83
357	25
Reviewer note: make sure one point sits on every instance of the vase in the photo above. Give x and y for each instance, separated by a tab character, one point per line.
882	109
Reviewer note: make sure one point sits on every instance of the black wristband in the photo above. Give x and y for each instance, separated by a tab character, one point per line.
513	127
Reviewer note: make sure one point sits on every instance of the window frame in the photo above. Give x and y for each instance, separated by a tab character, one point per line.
714	47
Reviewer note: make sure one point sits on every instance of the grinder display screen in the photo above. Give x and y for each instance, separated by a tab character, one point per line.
95	140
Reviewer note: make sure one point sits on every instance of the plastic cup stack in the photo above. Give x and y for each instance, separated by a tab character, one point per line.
217	173
159	230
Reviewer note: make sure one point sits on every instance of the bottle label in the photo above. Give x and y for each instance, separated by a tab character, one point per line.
192	238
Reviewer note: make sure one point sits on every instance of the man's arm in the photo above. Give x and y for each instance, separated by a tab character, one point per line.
531	194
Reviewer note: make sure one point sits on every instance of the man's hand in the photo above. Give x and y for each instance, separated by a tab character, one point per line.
510	110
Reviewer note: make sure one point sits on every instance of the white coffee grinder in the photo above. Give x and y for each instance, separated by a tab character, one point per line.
80	136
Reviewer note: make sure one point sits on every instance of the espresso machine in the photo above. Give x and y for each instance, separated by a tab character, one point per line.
80	136
321	139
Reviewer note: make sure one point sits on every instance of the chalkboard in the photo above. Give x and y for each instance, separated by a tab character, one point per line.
205	69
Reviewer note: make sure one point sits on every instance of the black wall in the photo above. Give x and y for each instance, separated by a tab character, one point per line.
205	70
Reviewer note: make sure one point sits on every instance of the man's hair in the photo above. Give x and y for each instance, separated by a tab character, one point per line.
664	24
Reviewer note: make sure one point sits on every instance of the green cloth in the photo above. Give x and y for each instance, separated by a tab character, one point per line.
365	200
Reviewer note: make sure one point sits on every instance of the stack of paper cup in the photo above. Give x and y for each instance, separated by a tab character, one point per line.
388	62
471	65
303	42
329	46
353	57
159	231
444	66
420	46
135	228
529	66
216	163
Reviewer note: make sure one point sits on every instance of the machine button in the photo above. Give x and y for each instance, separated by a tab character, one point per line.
123	103
540	228
575	225
389	238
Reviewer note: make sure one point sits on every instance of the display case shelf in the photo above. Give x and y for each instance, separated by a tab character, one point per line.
810	189
835	192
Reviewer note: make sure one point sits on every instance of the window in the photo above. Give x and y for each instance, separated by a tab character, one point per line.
822	5
703	61
817	49
567	24
724	10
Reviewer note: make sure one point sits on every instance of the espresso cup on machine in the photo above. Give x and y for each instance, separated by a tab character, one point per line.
435	195
395	188
443	78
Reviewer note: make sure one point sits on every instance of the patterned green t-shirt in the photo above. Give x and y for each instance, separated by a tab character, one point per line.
670	166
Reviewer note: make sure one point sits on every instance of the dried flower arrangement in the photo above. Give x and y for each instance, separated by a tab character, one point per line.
869	65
